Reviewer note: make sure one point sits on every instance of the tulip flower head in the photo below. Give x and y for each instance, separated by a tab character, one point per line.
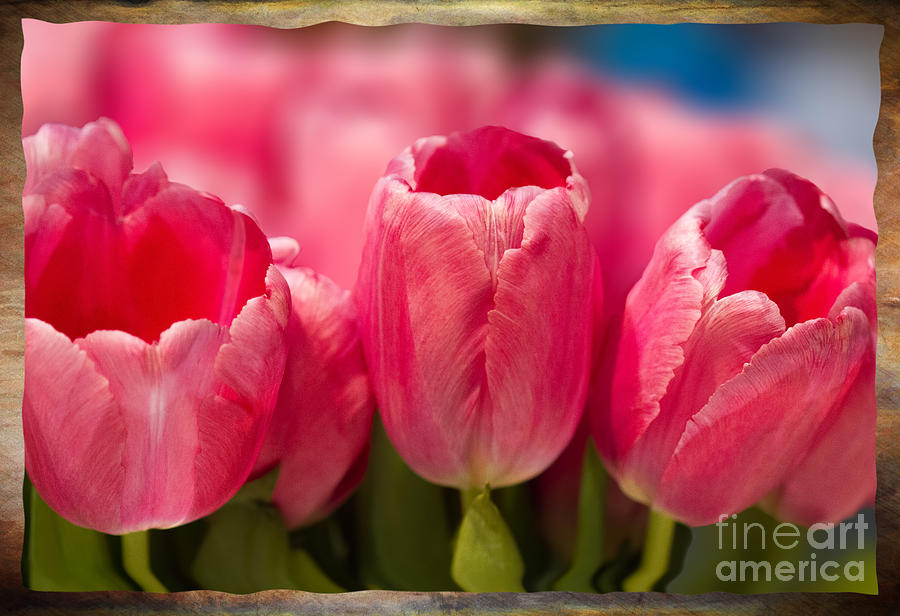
154	336
475	305
320	429
746	362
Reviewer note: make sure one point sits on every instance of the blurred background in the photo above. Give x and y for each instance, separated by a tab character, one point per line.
298	125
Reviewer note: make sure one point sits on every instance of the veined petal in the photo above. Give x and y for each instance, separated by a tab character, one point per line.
537	350
159	390
449	249
745	439
74	432
725	338
252	363
837	476
424	293
320	427
683	278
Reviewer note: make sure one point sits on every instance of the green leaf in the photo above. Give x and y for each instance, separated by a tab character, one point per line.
326	543
403	524
61	556
486	558
247	549
588	554
308	574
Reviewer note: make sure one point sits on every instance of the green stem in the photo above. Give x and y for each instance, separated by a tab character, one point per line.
657	551
466	497
587	556
136	560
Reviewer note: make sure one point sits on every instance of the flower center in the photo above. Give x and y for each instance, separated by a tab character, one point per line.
488	161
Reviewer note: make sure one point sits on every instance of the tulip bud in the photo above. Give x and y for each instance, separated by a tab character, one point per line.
475	296
154	337
320	429
745	362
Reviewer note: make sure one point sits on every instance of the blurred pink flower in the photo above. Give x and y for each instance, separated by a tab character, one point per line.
745	364
475	305
203	98
368	95
154	337
319	435
647	158
297	125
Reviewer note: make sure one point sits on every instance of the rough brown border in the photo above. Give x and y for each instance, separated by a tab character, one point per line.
449	12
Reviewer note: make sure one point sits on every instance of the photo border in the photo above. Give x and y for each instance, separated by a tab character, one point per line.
573	12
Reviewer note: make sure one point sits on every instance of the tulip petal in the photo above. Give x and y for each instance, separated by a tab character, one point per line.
99	149
84	267
159	389
727	336
839	446
53	219
47	151
69	416
248	369
743	442
536	389
489	160
845	278
321	424
176	424
841	465
424	293
188	256
496	226
782	236
181	255
661	311
253	361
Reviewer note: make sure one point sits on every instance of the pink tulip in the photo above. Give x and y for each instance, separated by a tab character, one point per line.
320	429
746	360
154	336
475	304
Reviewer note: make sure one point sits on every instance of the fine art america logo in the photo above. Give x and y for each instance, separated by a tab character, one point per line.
786	536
